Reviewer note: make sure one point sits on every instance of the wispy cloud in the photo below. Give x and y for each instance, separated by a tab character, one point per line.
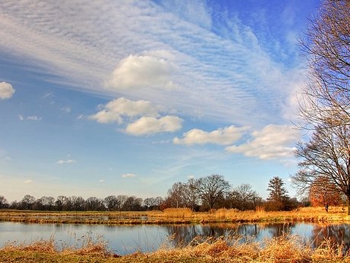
68	161
6	90
29	118
66	109
186	51
128	175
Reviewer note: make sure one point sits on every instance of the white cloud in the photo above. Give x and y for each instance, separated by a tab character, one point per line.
29	118
69	161
141	117
6	90
28	181
223	75
34	118
151	125
116	110
222	136
273	141
128	175
66	109
141	72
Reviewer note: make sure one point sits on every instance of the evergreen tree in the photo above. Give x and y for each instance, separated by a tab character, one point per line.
278	196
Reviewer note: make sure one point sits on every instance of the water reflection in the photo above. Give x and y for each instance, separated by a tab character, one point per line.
146	238
184	235
338	236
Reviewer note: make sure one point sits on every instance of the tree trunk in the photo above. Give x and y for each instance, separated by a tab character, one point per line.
348	205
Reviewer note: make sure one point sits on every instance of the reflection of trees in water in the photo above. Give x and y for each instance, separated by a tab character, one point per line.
336	235
183	235
282	229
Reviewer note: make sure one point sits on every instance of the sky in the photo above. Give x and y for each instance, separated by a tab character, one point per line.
110	97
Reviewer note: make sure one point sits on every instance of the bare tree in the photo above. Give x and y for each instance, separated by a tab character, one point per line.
132	203
323	192
78	203
94	204
177	195
191	193
327	155
61	202
244	197
325	104
212	189
112	203
47	202
121	200
149	202
328	49
27	202
3	202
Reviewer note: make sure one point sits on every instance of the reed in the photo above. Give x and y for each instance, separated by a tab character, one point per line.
278	250
178	216
177	213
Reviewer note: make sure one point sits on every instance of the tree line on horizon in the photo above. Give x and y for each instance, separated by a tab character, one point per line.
203	194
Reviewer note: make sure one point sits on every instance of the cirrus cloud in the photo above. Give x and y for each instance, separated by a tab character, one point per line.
272	142
6	90
128	175
69	161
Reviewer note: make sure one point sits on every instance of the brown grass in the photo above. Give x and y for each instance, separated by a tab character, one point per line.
277	250
178	216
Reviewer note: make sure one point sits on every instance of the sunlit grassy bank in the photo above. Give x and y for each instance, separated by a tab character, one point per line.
282	249
177	216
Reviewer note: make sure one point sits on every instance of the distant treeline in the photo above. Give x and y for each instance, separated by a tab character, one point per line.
203	194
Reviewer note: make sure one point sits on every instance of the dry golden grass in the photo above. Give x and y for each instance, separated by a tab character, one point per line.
178	216
177	213
276	250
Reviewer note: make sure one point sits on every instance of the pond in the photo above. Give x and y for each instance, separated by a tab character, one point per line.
128	239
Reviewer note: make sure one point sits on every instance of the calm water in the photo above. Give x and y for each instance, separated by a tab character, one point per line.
128	239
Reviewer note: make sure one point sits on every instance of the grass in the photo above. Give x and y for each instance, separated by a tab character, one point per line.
278	250
177	216
281	249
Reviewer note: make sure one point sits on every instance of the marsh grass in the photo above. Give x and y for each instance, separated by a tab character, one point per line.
178	216
84	245
278	250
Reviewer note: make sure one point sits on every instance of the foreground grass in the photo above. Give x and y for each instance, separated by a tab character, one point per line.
282	249
176	216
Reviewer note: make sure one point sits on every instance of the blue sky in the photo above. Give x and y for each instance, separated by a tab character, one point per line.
128	97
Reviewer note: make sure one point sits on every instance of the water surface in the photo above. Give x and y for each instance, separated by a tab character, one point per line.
146	238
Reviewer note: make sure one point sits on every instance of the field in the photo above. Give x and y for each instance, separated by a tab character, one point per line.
176	216
281	249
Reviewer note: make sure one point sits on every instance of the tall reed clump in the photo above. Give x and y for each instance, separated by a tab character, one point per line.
85	245
225	214
178	213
